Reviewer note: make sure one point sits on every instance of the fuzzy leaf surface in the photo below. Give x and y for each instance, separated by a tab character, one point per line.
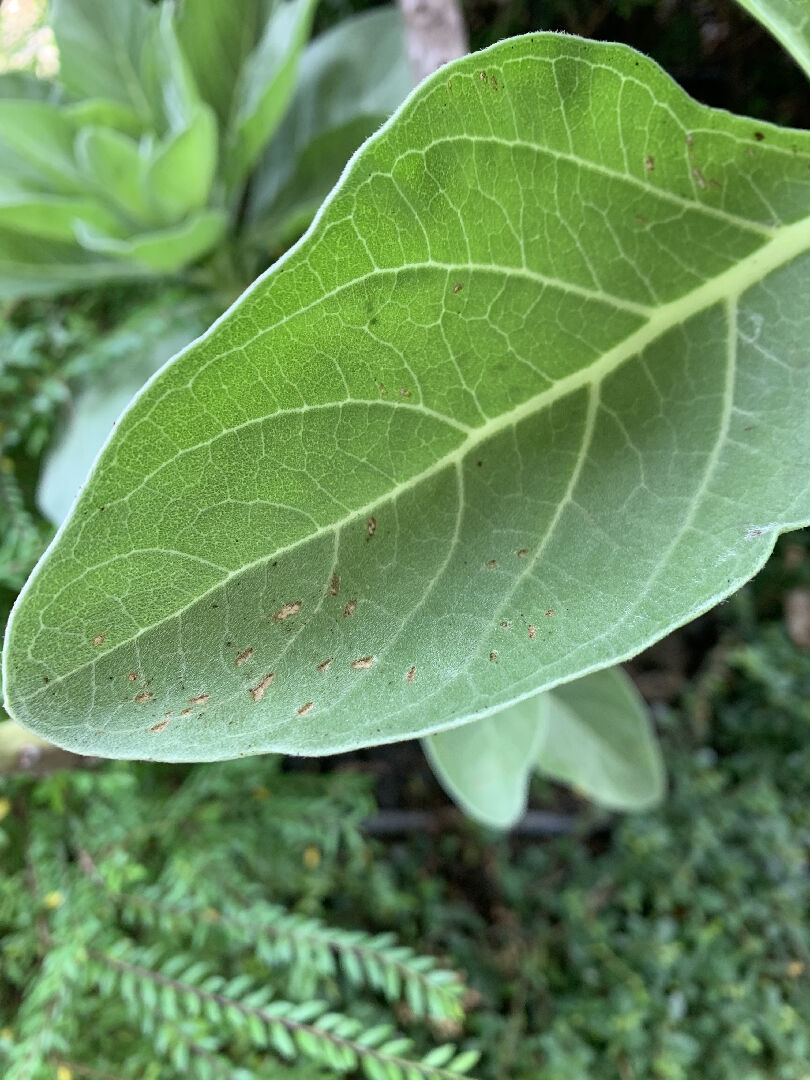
598	738
531	392
485	766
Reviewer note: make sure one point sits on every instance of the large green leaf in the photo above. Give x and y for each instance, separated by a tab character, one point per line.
181	173
531	392
598	738
789	21
350	80
265	85
485	766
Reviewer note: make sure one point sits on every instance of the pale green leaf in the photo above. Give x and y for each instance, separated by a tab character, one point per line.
349	81
181	172
133	351
534	385
598	739
51	217
114	166
102	48
36	146
787	20
164	251
32	266
485	766
265	85
216	37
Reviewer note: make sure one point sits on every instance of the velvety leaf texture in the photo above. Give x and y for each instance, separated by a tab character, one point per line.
531	392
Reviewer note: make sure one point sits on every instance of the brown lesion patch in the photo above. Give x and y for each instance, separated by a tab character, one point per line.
185	712
257	692
133	676
411	675
493	656
404	391
371	527
550	613
649	163
99	639
143	697
305	710
532	633
334	585
522	553
161	725
458	287
243	657
200	699
363	663
350	608
286	610
491	564
324	665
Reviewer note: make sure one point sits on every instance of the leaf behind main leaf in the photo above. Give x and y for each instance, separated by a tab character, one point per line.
531	392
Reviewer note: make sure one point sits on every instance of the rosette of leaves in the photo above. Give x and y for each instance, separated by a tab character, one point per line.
137	159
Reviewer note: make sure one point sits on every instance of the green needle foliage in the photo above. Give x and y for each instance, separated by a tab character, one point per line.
140	941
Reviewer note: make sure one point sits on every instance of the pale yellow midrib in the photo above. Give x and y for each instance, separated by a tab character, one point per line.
787	244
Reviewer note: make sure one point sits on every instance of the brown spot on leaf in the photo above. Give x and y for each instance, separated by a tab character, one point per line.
549	613
99	639
532	633
200	699
482	75
257	691
491	564
324	665
286	610
371	526
381	387
759	136
161	725
504	625
522	553
143	697
701	179
186	712
649	163
411	674
362	664
133	676
305	710
493	656
243	657
457	288
334	585
350	608
404	391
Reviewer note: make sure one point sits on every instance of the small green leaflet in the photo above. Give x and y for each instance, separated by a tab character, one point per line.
485	766
592	733
531	392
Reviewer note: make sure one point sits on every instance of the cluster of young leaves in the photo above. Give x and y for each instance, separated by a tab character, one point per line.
140	940
136	160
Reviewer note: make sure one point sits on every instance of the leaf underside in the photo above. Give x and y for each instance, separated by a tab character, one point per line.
531	392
